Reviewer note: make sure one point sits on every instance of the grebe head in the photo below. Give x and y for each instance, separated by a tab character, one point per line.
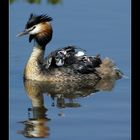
39	28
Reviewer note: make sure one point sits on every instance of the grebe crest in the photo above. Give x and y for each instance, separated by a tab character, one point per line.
62	65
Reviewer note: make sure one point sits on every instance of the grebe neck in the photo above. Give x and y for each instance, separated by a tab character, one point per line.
33	67
37	54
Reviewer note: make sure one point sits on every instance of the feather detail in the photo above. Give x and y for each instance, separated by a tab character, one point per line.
34	20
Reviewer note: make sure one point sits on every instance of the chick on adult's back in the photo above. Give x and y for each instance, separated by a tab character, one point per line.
68	64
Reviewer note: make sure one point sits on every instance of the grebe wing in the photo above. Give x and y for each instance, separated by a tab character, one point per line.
87	64
74	58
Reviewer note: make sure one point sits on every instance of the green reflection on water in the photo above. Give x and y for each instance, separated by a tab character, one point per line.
33	1
53	2
12	1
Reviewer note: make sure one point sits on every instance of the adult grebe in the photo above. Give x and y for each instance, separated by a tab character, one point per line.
68	64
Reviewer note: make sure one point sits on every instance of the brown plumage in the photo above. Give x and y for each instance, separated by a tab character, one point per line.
67	64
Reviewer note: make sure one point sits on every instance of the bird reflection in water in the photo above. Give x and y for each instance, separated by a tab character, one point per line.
36	126
63	95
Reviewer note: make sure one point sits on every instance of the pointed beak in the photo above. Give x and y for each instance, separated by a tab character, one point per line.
25	32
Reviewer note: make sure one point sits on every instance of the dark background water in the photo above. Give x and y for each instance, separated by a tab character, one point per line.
98	26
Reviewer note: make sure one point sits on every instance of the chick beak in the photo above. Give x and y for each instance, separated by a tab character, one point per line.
25	32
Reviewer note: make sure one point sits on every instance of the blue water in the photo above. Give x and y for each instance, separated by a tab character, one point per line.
98	26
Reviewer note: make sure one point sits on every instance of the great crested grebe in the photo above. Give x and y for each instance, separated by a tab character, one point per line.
68	64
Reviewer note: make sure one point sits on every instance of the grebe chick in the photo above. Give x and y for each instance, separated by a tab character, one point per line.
68	64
